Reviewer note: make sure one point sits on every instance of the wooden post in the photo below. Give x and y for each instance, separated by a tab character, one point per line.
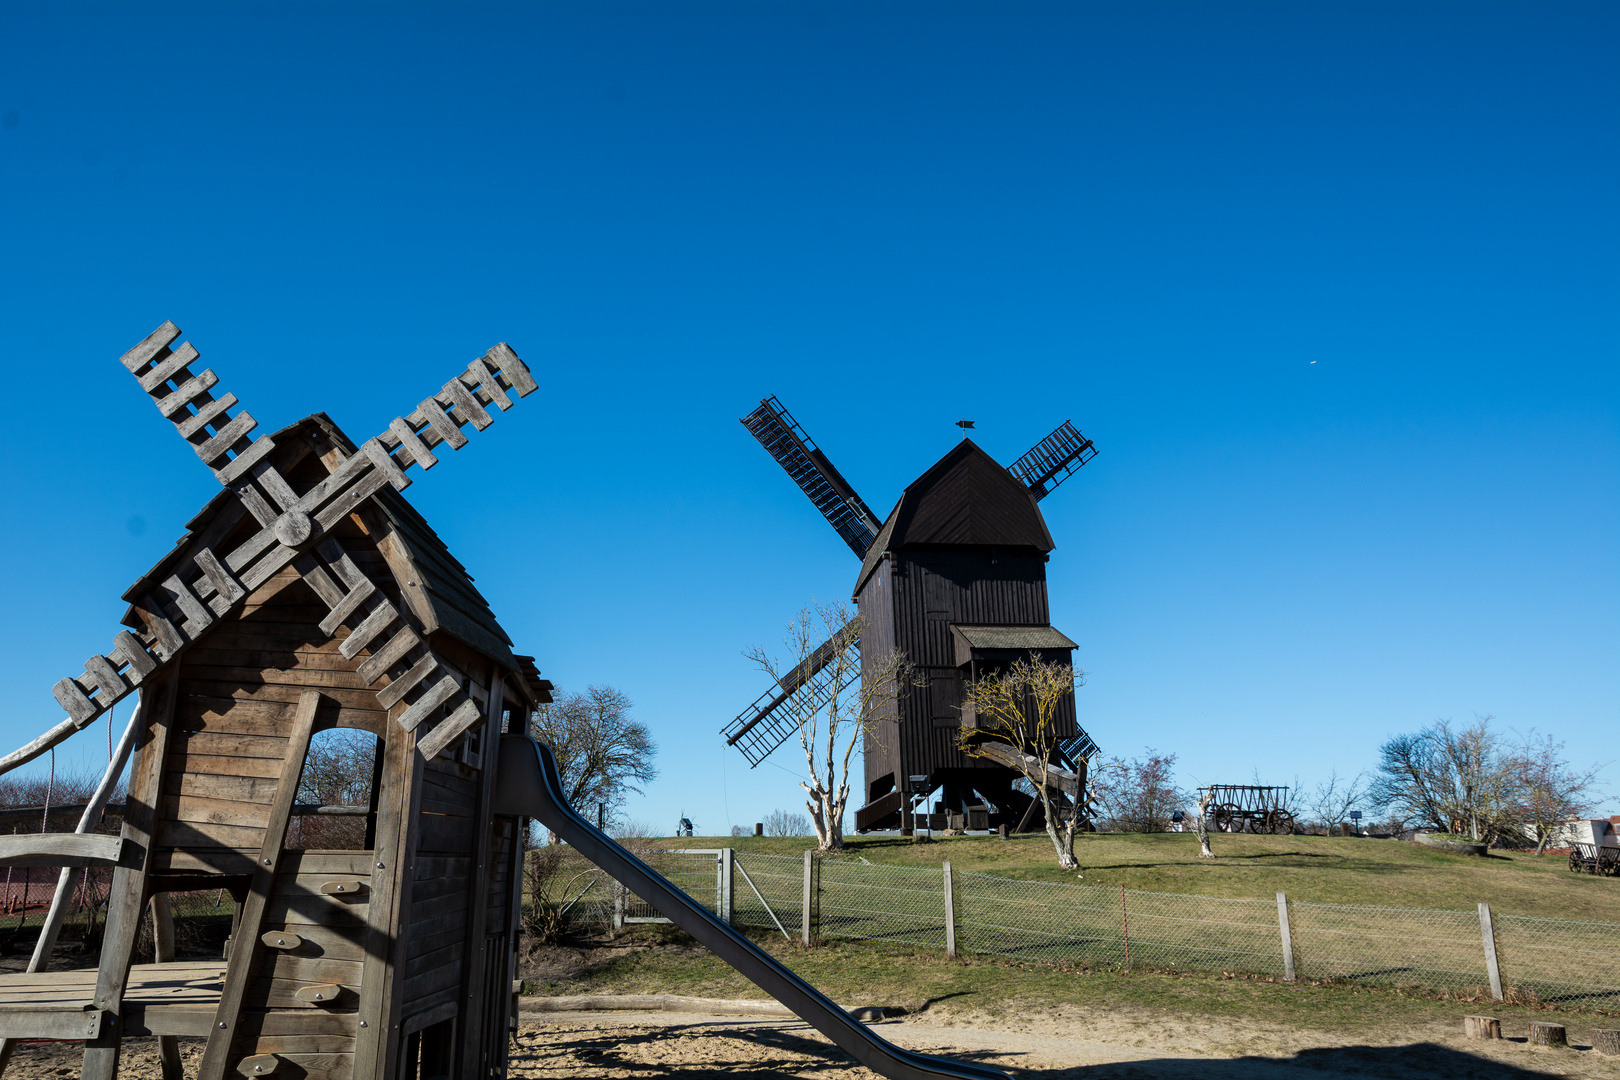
1606	1041
251	914
1488	933
163	953
128	893
806	919
950	912
475	1025
1125	924
727	874
1482	1027
1287	934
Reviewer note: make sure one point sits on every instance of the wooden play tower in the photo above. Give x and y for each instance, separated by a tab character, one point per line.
307	595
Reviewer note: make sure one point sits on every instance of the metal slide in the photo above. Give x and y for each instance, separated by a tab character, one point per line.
527	786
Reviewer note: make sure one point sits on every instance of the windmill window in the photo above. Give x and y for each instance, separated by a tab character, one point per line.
335	808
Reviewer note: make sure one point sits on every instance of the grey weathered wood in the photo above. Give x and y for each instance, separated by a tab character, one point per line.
444	427
244	462
502	356
1606	1041
377	664
1492	967
198	617
112	685
395	691
280	939
807	918
1286	932
228	588
127	894
69	1023
347	605
950	910
163	953
230	433
73	700
258	1065
466	404
61	849
431	699
449	730
128	650
166	635
189	424
381	618
344	505
251	917
412	445
477	961
1482	1027
165	368
385	464
150	346
481	373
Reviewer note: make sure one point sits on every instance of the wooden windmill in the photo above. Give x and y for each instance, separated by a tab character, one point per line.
306	595
954	578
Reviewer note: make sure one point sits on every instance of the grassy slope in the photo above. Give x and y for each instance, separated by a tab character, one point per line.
1321	869
864	973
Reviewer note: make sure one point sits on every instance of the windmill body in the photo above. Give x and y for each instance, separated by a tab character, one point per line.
955	580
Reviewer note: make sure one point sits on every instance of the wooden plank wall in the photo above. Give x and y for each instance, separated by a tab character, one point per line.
882	745
238	689
444	884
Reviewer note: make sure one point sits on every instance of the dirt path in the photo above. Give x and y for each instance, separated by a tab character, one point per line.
588	1046
1116	1045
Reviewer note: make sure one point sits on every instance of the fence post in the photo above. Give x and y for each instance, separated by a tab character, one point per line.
1488	933
1287	936
950	913
618	907
724	900
806	919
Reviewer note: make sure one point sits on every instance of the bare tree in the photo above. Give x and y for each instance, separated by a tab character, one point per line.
787	823
832	725
1017	708
1203	823
1139	795
1452	779
603	753
1550	789
1334	797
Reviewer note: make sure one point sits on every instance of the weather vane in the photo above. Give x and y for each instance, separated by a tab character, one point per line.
964	424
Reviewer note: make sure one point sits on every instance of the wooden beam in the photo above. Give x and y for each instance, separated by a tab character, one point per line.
476	963
62	849
251	917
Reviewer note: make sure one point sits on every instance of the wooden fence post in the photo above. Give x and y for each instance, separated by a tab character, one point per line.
727	872
1487	933
950	913
806	919
1287	936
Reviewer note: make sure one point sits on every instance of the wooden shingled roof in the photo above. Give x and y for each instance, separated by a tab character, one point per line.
965	499
452	603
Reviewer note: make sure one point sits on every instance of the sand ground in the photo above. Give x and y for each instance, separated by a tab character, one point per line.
1068	1042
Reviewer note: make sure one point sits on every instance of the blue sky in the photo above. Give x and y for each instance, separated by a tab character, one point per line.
1332	286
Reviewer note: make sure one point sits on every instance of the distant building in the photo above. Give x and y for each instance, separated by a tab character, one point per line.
1604	832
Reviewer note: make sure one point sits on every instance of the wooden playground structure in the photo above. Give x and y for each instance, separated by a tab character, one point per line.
308	596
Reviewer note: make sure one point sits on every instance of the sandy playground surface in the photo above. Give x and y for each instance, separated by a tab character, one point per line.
1067	1043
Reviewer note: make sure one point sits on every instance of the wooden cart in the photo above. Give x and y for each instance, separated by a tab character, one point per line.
1246	807
1595	859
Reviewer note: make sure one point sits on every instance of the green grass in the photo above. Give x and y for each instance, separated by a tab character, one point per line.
864	973
1319	869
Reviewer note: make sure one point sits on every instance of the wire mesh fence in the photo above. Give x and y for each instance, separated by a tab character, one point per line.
840	898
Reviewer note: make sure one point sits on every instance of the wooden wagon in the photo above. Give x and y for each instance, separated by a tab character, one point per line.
1248	807
1595	859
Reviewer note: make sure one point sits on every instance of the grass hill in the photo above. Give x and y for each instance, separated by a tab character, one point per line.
1332	870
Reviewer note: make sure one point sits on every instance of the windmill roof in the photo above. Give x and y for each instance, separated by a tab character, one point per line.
454	605
964	499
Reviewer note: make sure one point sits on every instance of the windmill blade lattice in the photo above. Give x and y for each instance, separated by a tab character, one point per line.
797	453
1053	460
765	725
293	530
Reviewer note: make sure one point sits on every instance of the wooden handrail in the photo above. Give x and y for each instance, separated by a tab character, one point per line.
61	849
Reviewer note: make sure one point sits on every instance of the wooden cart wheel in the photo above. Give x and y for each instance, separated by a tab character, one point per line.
1280	821
1575	861
1227	818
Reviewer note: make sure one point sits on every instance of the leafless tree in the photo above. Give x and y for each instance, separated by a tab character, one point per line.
603	753
1452	779
1203	823
1550	789
832	726
1139	795
787	823
1017	708
1333	799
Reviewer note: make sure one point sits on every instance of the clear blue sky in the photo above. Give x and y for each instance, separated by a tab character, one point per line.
1332	286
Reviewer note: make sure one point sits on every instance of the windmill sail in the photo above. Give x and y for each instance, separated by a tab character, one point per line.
793	449
763	726
1053	460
